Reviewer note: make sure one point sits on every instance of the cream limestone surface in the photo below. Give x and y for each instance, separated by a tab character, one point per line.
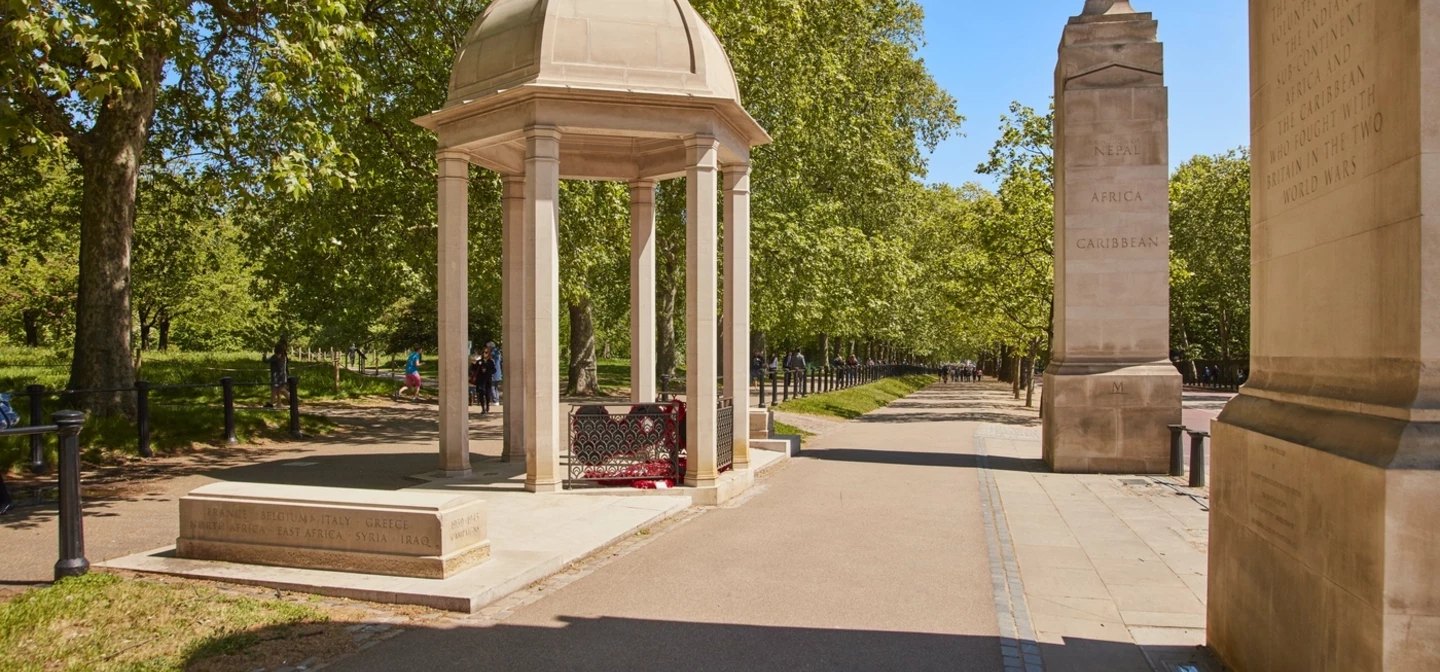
619	90
1110	391
406	533
1325	484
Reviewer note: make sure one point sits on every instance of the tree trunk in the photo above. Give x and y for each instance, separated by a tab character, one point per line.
1003	371
583	381
1030	375
665	356
146	324
1015	384
110	157
31	318
165	333
824	350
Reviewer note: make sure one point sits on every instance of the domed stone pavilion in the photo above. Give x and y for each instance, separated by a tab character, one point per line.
625	90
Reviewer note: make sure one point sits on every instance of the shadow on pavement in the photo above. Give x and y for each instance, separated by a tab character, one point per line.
608	643
918	459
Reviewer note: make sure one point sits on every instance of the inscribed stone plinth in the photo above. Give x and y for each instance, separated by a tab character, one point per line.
1110	390
431	535
1325	493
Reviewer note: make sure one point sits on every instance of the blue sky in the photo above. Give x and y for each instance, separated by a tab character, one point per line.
987	53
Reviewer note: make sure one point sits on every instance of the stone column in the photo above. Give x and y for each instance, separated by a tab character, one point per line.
1110	389
642	291
541	365
454	299
737	305
512	335
700	307
1326	468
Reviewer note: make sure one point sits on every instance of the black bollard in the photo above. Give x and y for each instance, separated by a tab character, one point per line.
1197	458
1177	450
293	385
786	389
227	390
774	387
142	417
37	418
72	560
762	390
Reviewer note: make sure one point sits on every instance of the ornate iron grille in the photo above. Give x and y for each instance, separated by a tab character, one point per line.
725	435
610	448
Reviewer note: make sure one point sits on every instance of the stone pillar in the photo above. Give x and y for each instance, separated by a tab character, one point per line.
1110	390
541	364
642	291
700	307
512	334
454	299
1325	490
737	305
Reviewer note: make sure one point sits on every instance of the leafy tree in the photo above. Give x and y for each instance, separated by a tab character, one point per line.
39	244
1210	257
248	85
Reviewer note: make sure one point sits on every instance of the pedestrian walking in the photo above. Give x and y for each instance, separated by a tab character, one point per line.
757	369
487	378
499	375
279	362
412	375
350	355
8	418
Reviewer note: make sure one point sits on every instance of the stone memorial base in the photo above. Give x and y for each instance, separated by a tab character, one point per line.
410	533
1321	560
761	423
1110	420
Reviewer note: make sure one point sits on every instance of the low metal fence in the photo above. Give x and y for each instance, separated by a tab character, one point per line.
143	391
66	425
616	445
725	435
787	384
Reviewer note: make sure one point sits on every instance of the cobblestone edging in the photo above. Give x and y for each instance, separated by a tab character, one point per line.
1018	646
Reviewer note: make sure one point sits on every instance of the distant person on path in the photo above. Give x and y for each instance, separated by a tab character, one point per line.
279	371
8	419
350	355
487	378
475	377
757	368
498	375
412	374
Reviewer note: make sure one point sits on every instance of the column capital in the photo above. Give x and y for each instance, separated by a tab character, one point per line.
701	151
452	155
513	186
642	191
542	131
737	177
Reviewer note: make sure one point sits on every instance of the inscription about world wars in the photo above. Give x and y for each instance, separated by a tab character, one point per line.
1321	72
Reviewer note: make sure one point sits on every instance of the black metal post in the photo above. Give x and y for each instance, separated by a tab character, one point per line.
774	387
1177	450
142	417
762	388
227	388
72	560
1197	458
293	384
788	372
37	418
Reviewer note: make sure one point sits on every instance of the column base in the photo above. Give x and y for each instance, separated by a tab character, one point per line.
537	486
1315	536
1110	419
457	473
696	482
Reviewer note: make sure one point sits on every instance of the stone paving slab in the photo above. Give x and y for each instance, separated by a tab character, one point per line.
1101	559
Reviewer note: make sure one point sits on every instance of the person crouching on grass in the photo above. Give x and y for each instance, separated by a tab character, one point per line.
412	374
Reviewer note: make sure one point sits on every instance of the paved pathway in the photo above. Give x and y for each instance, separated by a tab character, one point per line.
922	536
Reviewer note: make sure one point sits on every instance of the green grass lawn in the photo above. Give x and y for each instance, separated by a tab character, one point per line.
857	401
181	419
104	623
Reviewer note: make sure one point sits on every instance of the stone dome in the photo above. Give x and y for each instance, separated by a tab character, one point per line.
650	46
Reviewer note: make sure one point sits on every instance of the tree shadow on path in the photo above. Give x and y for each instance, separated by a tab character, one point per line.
608	643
